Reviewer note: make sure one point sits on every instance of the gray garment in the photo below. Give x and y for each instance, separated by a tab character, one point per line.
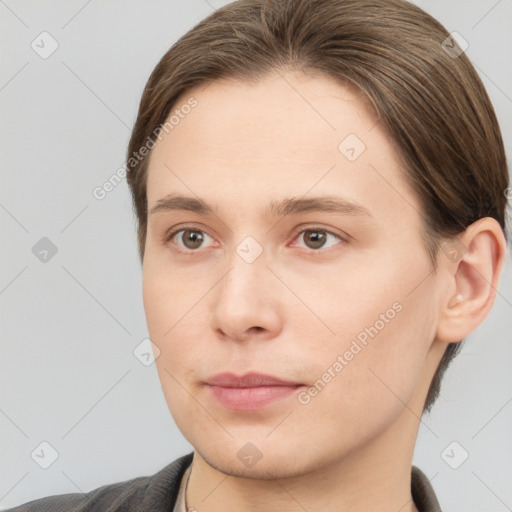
158	493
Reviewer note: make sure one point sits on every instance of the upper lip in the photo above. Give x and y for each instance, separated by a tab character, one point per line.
248	380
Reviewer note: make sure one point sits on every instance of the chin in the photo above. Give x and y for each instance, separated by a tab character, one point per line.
263	459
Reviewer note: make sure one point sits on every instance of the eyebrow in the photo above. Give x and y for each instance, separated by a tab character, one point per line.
281	208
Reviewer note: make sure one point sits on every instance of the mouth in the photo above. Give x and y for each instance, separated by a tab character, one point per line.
249	392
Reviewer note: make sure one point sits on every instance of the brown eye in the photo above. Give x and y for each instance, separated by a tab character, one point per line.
191	238
187	239
314	238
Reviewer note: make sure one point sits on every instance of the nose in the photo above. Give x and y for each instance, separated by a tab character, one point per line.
246	303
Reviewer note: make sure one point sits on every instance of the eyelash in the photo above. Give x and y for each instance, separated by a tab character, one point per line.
170	235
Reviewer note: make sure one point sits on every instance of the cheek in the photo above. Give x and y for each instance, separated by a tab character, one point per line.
169	310
372	382
381	331
166	318
166	294
173	304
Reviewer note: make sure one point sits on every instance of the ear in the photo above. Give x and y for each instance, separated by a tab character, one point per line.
474	261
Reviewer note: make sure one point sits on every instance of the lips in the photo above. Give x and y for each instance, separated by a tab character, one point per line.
250	391
249	380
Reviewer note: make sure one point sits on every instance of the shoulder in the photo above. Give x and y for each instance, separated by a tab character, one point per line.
422	491
156	493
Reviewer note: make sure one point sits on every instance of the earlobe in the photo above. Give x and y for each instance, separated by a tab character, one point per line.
473	279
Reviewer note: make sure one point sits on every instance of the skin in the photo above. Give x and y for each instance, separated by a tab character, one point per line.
290	313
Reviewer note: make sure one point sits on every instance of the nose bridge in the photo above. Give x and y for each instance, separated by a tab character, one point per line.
248	270
246	297
250	250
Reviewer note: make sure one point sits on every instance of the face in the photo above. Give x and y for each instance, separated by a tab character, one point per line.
338	301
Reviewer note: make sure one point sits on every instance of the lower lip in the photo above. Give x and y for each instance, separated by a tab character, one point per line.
250	399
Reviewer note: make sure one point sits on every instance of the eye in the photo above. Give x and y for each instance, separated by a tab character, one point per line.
315	238
191	238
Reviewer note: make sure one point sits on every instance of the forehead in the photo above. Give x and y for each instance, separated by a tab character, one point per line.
282	113
289	132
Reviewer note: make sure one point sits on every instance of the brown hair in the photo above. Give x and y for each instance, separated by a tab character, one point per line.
431	101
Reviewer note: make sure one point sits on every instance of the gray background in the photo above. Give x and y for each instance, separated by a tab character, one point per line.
68	375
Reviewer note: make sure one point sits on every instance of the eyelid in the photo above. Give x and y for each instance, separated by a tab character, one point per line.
316	227
172	232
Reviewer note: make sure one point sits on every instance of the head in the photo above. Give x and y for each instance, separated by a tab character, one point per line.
264	101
